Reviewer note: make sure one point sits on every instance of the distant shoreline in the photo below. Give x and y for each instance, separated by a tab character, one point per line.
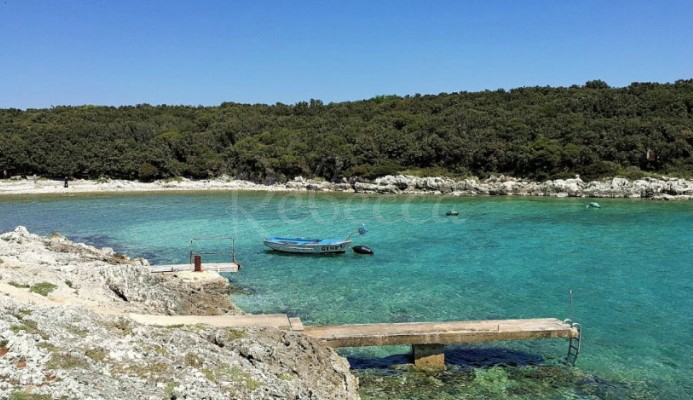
646	188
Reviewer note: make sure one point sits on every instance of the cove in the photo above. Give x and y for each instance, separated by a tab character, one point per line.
628	265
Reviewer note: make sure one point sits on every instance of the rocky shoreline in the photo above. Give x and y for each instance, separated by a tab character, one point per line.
645	188
65	333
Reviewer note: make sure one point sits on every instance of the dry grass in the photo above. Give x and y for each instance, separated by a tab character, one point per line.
47	346
234	334
77	331
66	361
192	360
232	374
96	354
30	327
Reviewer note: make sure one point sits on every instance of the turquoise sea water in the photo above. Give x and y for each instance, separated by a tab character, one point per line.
628	264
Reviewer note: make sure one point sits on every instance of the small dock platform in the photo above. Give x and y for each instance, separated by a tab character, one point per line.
218	267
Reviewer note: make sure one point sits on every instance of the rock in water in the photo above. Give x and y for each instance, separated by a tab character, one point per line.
363	250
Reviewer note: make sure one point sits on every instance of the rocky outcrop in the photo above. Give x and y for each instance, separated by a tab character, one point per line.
87	276
68	352
651	188
65	333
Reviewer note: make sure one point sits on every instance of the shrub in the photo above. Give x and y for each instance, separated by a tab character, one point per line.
385	168
43	288
147	172
22	395
632	173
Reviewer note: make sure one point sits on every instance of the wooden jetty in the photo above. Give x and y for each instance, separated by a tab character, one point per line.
218	267
426	338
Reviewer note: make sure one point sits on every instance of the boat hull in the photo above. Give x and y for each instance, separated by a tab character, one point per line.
308	246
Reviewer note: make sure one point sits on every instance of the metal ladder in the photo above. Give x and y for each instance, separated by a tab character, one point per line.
575	345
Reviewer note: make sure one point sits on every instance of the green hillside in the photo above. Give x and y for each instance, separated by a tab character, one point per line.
535	132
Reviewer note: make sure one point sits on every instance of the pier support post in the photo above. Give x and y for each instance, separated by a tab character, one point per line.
198	263
428	356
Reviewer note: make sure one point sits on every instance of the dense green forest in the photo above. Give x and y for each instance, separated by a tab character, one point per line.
534	132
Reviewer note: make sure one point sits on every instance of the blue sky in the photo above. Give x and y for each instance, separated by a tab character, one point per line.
207	52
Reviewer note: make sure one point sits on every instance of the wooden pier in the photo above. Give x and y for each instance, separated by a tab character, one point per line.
426	338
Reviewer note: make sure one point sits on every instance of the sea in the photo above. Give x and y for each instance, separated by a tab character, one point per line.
624	272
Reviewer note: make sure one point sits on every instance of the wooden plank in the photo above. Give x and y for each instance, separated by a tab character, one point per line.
441	332
218	267
279	321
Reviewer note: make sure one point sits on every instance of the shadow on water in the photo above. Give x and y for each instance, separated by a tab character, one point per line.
96	241
100	241
490	373
239	289
305	255
457	356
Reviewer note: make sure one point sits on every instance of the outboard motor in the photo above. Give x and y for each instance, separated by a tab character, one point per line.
362	250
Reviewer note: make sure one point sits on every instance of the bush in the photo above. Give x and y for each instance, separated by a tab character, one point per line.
599	170
387	167
360	170
430	171
632	173
147	172
43	288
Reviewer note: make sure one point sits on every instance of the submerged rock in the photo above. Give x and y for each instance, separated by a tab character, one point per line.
497	382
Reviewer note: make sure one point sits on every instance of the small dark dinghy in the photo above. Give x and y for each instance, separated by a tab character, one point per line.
452	213
362	250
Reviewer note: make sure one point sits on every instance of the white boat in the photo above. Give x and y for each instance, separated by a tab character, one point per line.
311	246
308	246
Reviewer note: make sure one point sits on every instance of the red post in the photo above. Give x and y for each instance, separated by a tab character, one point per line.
198	264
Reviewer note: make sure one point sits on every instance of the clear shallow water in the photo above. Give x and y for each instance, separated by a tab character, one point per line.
628	265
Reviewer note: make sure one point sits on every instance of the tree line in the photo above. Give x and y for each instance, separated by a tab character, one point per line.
535	132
